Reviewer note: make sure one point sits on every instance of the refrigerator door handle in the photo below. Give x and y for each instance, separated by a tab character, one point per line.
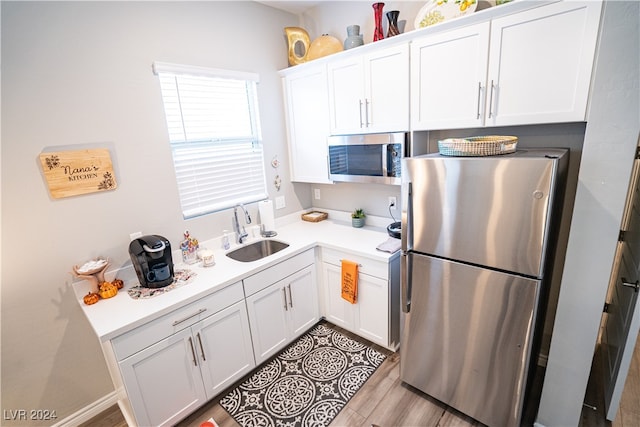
405	281
407	217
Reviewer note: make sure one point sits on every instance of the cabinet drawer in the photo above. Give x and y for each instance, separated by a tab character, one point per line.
366	265
264	278
158	329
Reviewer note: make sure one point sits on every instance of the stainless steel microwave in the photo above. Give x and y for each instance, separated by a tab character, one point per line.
371	158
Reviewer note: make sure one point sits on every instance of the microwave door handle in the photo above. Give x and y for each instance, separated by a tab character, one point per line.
385	152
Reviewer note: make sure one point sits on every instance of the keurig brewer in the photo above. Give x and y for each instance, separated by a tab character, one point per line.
151	258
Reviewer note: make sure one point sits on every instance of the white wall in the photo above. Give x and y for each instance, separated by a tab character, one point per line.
611	137
79	73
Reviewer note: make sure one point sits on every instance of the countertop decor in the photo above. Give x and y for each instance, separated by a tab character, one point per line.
314	216
333	233
358	218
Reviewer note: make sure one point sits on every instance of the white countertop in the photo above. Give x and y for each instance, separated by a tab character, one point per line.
114	316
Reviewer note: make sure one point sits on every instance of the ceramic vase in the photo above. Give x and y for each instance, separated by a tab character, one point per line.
378	32
392	16
357	222
354	38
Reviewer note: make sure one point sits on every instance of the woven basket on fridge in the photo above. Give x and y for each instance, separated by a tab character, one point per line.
490	145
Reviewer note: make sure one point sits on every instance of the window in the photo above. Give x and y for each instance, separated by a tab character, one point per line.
214	132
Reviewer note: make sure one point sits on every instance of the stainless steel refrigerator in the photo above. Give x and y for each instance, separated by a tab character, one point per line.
478	241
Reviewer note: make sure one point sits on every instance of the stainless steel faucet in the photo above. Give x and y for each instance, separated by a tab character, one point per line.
240	231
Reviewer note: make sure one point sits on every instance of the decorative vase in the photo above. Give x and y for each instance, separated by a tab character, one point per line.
357	222
378	33
323	46
298	40
354	38
392	16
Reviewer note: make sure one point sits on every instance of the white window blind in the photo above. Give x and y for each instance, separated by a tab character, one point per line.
214	132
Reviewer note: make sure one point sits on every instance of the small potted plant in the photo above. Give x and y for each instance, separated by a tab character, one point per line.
357	218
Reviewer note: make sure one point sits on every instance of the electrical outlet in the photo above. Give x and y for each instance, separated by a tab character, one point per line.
392	203
135	235
316	193
280	203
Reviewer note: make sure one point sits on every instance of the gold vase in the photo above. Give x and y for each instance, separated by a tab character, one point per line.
298	40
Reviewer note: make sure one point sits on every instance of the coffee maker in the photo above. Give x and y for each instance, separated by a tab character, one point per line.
151	258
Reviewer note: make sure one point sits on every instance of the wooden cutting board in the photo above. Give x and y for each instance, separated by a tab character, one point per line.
71	173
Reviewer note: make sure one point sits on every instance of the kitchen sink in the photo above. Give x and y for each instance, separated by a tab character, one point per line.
257	250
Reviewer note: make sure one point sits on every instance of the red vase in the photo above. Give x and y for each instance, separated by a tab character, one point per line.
378	33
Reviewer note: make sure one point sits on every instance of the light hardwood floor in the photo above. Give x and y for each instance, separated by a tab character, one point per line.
385	401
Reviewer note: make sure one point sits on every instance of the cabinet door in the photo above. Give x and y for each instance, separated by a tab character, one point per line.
223	345
338	311
372	316
303	301
387	90
540	64
307	112
163	381
448	78
268	319
346	96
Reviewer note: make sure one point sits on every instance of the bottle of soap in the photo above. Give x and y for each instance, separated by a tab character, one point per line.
225	240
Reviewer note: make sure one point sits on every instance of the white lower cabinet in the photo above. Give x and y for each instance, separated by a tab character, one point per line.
166	368
168	380
376	313
283	310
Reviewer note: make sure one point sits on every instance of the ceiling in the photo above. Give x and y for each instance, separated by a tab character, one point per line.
295	7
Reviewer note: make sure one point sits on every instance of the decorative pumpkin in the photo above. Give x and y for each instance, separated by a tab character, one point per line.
119	283
91	298
107	290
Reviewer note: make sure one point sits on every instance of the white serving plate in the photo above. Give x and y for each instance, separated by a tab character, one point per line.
436	11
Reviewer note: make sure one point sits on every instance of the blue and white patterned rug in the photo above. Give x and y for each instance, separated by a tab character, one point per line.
305	385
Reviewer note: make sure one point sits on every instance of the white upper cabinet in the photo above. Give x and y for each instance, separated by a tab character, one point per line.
540	64
448	75
537	69
307	115
370	93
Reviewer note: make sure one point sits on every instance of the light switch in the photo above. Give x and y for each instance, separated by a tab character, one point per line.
280	203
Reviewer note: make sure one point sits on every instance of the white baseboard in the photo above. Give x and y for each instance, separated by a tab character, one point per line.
89	411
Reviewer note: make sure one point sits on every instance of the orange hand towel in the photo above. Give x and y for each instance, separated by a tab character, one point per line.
349	281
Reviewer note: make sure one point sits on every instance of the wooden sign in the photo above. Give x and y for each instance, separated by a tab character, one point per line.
70	173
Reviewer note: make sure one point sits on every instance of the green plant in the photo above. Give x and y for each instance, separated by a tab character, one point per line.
358	213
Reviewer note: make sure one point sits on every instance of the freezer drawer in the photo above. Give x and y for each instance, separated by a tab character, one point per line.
491	211
467	337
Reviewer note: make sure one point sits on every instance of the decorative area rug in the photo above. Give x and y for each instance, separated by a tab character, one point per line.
181	277
305	385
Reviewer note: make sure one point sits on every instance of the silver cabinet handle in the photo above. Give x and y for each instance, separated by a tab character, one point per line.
491	99
359	265
201	347
478	107
361	122
177	322
635	286
193	352
290	299
366	112
284	295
